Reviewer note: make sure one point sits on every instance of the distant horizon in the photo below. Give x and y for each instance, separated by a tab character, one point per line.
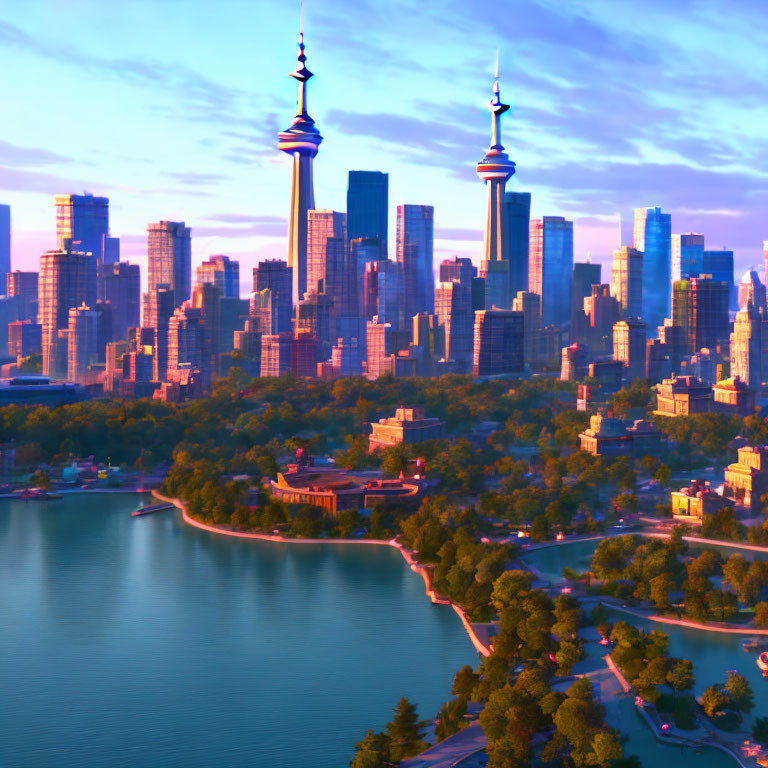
169	128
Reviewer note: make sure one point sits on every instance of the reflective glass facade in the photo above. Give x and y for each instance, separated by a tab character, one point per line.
367	206
551	267
653	236
415	241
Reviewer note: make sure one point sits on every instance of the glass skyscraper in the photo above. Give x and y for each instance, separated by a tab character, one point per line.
627	281
5	243
222	272
551	267
367	205
169	256
653	236
687	256
84	219
415	240
517	209
276	276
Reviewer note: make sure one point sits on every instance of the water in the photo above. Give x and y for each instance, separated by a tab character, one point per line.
711	653
142	641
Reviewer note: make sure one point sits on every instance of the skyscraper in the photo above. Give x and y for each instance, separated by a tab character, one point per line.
362	251
301	140
530	305
186	340
498	343
719	264
627	281
24	285
326	253
367	206
122	289
700	308
276	275
453	309
84	219
276	354
495	169
551	266
64	283
383	292
629	338
5	242
687	256
169	257
585	275
223	272
517	208
158	309
653	236
415	240
748	341
82	342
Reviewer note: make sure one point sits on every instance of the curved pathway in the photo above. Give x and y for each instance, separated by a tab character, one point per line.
484	649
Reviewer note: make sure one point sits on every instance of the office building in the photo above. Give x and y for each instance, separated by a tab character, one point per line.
380	346
276	275
368	207
530	305
276	354
719	264
653	237
601	312
498	343
687	256
207	298
82	342
748	347
83	219
453	309
627	281
517	210
574	362
362	251
585	275
683	396
122	289
24	339
301	141
383	292
222	272
551	266
700	307
304	354
5	240
169	258
415	241
629	337
24	285
64	283
658	361
316	314
158	309
186	342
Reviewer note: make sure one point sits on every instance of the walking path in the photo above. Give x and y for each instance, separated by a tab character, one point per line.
482	646
452	751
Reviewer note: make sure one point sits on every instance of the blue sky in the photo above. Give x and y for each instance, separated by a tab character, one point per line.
171	108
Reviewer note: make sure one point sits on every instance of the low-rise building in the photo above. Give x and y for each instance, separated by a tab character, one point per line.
691	504
733	396
683	396
408	426
608	436
747	478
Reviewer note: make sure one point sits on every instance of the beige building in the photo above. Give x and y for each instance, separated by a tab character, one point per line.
747	479
683	396
698	499
408	426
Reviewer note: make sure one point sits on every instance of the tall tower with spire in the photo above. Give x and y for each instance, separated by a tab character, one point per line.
301	140
495	169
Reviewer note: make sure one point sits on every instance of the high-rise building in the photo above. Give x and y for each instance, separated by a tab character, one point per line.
658	361
687	256
383	292
186	341
498	343
82	342
362	251
207	298
719	264
222	272
574	362
517	208
700	308
368	206
380	345
602	312
276	275
551	266
530	305
627	281
122	289
453	309
301	140
5	241
653	236
24	338
495	169
276	354
316	314
169	258
304	354
585	275
83	219
24	285
629	338
64	283
748	347
158	309
415	241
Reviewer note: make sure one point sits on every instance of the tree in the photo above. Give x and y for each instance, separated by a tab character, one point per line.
715	699
761	614
660	587
372	751
404	727
464	682
722	603
740	691
680	677
663	475
760	730
606	749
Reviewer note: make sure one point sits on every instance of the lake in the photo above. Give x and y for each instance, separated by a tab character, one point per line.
145	642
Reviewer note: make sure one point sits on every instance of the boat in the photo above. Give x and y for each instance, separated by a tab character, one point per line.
149	510
762	663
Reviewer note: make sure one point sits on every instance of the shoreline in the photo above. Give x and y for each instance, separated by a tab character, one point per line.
423	571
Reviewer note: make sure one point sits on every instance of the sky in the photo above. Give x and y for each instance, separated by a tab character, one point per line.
171	109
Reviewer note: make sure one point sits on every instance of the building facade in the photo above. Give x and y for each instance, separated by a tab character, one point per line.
551	266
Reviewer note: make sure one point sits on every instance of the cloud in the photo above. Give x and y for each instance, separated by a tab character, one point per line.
457	233
192	178
15	180
16	156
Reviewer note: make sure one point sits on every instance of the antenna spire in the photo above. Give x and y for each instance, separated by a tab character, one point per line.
498	108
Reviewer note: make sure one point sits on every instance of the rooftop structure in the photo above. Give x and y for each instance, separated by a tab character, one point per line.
747	478
409	426
697	500
608	436
683	396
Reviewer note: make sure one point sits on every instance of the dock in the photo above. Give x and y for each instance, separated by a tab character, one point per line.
151	509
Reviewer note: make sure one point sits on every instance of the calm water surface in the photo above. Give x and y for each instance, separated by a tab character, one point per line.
711	653
144	642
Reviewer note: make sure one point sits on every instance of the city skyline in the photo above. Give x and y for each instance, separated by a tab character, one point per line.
238	208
